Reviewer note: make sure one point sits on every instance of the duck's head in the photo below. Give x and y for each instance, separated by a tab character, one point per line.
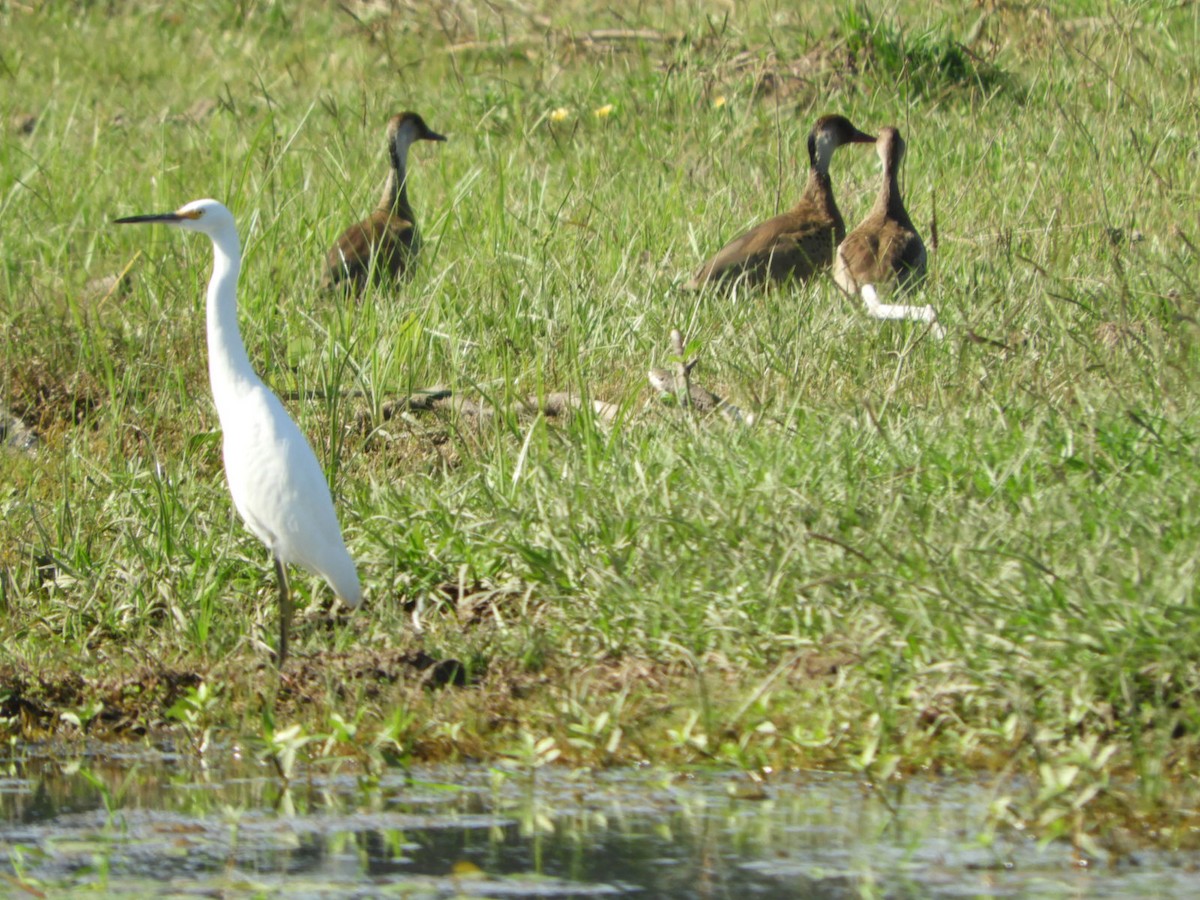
206	216
890	147
829	133
407	127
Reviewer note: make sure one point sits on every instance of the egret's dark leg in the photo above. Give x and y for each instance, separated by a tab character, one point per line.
285	611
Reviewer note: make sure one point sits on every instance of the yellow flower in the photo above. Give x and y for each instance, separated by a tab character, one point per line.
604	112
559	115
718	101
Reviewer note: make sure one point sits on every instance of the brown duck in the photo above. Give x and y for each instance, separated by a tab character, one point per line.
885	253
799	243
385	242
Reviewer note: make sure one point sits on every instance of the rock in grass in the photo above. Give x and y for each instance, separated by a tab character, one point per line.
15	434
703	401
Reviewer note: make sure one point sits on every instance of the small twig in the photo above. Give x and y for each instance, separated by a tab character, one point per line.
1036	267
933	231
361	24
120	277
598	36
441	399
1186	240
632	34
1138	420
816	536
975	338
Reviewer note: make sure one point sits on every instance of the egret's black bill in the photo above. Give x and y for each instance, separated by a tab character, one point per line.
178	216
154	217
434	136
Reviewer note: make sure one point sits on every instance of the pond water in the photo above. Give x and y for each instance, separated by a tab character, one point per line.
118	822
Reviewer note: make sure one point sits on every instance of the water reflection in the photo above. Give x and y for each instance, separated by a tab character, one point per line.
139	822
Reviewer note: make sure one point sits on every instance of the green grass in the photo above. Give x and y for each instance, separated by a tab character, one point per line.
921	63
973	554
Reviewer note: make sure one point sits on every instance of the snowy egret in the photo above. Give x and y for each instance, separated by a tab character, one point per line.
799	243
277	484
390	232
885	251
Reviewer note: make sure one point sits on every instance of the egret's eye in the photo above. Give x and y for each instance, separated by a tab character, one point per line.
190	214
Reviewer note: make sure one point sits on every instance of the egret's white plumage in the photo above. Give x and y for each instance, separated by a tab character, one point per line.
277	484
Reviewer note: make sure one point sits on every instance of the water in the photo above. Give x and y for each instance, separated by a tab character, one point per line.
115	822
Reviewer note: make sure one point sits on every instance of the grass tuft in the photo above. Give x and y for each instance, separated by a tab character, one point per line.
927	62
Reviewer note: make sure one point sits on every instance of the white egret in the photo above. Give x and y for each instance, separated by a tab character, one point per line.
277	484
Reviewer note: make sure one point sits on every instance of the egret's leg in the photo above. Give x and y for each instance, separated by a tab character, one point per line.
285	611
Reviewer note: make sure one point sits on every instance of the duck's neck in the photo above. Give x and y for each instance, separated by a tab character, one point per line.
395	193
818	192
819	189
229	369
889	202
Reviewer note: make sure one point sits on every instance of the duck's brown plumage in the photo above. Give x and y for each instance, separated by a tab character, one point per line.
885	253
799	243
885	249
386	242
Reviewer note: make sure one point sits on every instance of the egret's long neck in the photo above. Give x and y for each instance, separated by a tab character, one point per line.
229	368
395	193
